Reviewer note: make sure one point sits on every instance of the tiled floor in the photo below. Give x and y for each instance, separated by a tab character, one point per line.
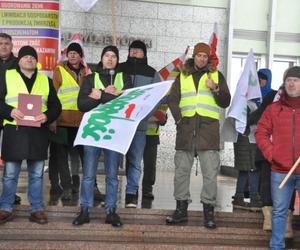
163	191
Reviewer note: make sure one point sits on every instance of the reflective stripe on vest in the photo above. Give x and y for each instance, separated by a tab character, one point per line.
15	86
201	102
68	91
118	82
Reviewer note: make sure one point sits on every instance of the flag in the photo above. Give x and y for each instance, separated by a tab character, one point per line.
213	41
247	88
76	38
172	70
113	125
86	5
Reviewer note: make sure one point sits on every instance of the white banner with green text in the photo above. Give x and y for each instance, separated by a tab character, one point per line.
113	124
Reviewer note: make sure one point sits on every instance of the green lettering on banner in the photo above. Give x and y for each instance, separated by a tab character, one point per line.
102	116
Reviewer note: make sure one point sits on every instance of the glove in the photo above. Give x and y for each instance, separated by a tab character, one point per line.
161	117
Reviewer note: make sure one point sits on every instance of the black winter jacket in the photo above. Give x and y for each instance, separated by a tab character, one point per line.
20	142
85	103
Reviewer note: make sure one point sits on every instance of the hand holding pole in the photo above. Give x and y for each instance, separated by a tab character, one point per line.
289	173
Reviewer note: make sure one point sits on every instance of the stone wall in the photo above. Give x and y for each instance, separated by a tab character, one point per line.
170	27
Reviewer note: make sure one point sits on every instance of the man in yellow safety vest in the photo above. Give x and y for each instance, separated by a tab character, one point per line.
195	100
28	143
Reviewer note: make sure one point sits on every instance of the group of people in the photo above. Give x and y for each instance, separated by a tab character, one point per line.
195	100
271	124
65	98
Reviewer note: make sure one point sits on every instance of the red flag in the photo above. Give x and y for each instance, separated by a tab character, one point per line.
173	69
76	38
213	47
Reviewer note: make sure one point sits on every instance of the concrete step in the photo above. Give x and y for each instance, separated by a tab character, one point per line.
143	229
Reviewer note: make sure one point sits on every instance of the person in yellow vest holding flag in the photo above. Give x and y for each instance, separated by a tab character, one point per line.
67	79
25	142
195	101
100	87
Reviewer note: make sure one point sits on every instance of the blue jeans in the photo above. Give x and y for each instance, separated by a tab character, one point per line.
90	163
35	184
134	158
248	177
281	201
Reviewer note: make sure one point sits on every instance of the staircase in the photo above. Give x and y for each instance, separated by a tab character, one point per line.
143	229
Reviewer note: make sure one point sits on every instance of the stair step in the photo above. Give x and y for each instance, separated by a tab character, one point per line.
143	228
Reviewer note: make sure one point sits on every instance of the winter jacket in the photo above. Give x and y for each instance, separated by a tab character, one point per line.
278	135
255	116
21	142
203	130
10	63
85	103
244	154
68	118
141	74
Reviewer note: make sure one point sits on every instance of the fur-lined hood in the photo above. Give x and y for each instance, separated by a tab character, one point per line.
190	68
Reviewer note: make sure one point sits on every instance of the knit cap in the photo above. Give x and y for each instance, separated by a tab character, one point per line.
75	47
201	47
27	51
138	44
292	72
110	48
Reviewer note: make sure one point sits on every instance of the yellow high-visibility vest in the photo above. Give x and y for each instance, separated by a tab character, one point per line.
201	102
15	86
118	82
68	91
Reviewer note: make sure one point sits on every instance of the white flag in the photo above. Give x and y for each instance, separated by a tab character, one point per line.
247	88
113	124
86	5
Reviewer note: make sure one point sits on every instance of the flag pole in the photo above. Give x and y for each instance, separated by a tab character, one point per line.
113	19
289	173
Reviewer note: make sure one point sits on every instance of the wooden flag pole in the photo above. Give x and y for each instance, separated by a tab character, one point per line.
113	22
289	173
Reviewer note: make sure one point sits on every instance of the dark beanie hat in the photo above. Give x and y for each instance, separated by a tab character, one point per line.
292	72
75	47
201	47
110	48
27	51
138	44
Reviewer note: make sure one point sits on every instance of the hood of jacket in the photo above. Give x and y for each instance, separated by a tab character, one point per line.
267	88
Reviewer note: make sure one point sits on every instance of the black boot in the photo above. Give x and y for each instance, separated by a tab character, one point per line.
83	217
209	220
255	203
238	201
113	218
75	183
180	214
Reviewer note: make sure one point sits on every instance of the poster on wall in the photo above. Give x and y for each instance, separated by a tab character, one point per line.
34	23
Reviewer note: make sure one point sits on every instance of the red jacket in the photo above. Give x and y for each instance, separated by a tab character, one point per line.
278	135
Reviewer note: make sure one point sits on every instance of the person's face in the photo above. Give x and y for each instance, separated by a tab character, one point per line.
201	59
137	53
6	46
262	82
74	58
27	63
292	86
109	60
